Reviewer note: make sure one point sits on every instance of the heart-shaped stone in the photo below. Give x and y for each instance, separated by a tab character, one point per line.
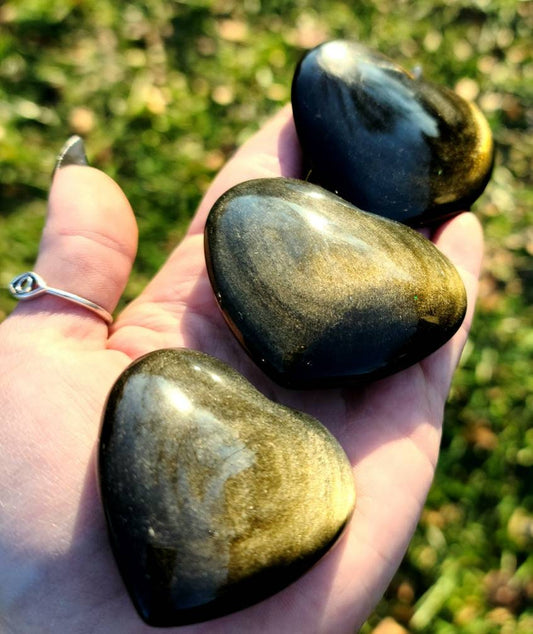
215	497
320	293
388	141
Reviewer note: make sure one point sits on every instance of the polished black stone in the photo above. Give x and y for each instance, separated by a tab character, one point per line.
320	293
215	497
386	140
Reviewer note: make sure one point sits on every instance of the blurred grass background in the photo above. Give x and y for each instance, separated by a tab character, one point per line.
164	91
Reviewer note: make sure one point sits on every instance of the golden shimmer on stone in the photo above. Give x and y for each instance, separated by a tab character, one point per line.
320	293
215	497
389	142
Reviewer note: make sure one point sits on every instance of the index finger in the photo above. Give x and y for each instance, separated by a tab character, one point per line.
182	281
273	151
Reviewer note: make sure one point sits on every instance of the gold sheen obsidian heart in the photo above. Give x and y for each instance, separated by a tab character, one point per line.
320	293
388	141
215	497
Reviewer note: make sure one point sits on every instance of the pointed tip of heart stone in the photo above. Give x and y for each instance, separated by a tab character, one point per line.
215	497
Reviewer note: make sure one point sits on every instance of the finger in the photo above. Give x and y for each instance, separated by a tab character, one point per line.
273	151
461	240
87	248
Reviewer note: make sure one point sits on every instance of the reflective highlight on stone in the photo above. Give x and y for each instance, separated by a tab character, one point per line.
215	497
386	140
320	293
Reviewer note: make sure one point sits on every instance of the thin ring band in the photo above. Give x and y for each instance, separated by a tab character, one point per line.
29	285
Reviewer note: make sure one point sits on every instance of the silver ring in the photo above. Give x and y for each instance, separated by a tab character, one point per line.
30	285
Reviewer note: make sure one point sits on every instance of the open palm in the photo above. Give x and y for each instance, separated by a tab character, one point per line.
58	363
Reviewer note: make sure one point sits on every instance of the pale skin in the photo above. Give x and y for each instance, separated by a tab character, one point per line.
58	363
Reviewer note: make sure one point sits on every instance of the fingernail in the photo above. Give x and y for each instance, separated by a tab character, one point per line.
72	153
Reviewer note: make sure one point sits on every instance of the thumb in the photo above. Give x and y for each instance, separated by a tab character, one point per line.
87	248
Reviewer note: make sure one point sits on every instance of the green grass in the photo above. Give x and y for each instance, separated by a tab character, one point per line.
164	91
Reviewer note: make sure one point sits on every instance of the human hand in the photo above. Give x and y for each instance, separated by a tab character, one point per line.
59	362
